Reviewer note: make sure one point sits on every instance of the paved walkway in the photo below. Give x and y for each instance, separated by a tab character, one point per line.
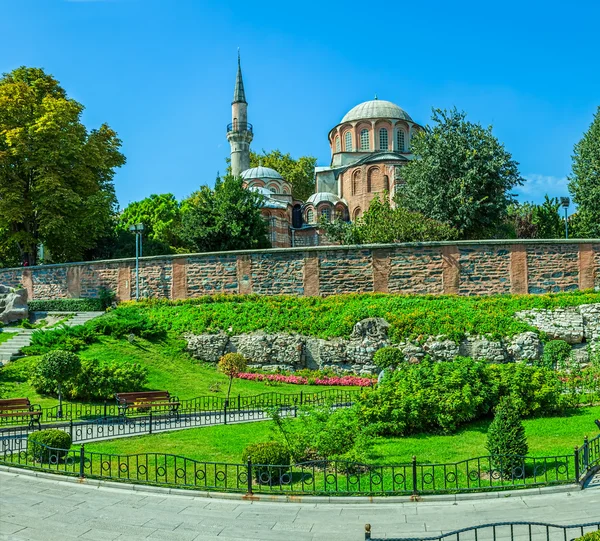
48	510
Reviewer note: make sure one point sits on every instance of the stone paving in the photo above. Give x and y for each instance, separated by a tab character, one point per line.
33	508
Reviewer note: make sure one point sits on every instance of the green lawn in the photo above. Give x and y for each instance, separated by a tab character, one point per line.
169	368
547	436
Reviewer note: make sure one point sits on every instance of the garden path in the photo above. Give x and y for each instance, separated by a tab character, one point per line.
34	508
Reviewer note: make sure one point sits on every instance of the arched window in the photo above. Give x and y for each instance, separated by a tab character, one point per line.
356	182
383	139
400	140
364	139
310	216
338	144
373	180
356	214
326	214
348	142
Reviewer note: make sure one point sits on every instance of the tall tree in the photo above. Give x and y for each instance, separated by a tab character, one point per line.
584	182
227	217
461	175
55	176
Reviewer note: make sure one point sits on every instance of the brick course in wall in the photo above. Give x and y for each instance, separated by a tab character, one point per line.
465	268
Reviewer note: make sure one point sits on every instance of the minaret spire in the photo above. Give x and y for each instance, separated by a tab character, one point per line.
239	132
239	96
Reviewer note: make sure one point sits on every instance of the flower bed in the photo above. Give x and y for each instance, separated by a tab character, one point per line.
342	381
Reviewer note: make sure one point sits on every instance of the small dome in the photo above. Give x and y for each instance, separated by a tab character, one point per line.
320	197
260	172
376	109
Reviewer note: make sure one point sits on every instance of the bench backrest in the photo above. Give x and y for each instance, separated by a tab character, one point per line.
14	404
143	396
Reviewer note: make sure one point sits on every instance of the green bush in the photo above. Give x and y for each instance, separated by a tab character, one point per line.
96	381
267	454
48	445
556	354
388	358
67	305
590	536
506	440
67	338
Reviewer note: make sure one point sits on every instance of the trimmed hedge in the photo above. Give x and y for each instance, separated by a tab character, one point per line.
48	445
67	305
268	453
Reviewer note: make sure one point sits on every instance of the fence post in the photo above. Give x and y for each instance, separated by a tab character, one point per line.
586	453
81	460
71	429
150	422
225	413
367	532
249	475
301	395
105	405
414	475
576	464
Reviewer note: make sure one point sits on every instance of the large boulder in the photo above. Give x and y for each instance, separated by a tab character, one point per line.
13	305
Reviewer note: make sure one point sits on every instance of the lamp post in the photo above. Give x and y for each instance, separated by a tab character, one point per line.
565	201
138	229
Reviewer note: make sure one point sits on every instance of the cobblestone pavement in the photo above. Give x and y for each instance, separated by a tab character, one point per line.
49	509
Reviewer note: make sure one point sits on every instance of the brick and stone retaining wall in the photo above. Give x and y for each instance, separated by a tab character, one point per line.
464	268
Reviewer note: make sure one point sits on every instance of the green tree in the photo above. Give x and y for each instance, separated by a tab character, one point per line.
461	175
55	176
299	173
506	440
232	364
382	223
59	367
584	182
160	215
547	220
227	217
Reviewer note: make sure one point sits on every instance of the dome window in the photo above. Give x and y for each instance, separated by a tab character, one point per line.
400	140
310	216
364	139
326	214
348	142
338	145
383	139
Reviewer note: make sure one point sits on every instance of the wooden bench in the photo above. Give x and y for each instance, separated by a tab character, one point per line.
21	408
147	399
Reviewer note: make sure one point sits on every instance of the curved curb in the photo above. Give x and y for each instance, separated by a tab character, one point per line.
281	498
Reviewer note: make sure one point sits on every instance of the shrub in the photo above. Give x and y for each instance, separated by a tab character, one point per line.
270	453
388	358
506	440
66	305
120	324
556	354
96	381
590	536
231	364
48	445
66	338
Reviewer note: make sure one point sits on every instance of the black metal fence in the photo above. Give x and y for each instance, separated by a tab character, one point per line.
81	411
509	531
320	477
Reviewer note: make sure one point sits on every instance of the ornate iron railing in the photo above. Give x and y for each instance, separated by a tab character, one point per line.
239	126
200	404
587	458
530	531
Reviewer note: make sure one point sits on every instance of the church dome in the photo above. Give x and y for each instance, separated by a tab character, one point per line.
376	109
261	172
320	197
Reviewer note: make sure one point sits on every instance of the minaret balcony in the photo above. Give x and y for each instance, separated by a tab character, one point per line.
239	127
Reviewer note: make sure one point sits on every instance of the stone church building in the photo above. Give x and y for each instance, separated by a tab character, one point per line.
368	149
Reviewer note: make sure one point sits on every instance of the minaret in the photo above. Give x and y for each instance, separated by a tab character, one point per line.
239	132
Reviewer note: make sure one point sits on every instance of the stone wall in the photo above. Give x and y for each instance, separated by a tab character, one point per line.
463	268
580	326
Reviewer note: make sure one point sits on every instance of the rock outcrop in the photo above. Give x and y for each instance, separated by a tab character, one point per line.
13	304
579	326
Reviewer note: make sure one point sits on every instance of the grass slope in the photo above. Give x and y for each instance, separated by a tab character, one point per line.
549	436
410	316
169	368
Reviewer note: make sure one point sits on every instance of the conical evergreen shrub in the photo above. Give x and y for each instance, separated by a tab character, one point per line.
506	440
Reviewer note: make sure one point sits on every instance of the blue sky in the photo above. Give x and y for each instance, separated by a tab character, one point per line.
161	73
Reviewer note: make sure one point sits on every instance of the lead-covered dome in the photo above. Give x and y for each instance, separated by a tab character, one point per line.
376	109
320	197
260	172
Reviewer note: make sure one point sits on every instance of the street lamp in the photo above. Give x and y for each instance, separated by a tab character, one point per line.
138	229
565	201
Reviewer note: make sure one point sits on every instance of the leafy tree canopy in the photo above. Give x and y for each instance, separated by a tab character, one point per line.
531	221
383	223
227	217
584	182
55	176
461	175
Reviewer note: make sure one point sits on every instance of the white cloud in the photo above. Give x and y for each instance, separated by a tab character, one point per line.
536	186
